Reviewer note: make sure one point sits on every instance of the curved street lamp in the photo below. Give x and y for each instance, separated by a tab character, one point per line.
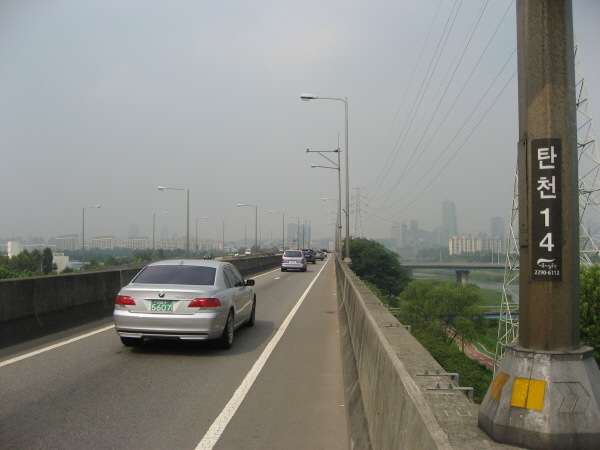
187	220
307	97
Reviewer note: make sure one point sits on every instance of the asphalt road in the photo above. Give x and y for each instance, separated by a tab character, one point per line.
279	387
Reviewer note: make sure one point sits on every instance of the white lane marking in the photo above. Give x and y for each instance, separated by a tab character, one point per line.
263	274
216	429
51	347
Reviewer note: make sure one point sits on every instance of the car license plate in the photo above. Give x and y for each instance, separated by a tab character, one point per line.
161	306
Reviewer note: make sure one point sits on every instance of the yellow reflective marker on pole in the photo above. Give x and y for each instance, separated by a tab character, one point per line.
528	394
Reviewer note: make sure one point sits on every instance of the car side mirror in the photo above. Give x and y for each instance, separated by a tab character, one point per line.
249	282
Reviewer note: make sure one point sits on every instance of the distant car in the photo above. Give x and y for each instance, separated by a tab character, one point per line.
248	252
319	255
209	256
294	260
309	255
187	300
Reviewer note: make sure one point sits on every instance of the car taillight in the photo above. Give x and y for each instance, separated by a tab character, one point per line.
303	261
124	300
282	260
205	303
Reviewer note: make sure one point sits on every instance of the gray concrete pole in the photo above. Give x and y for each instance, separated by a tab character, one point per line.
546	392
549	300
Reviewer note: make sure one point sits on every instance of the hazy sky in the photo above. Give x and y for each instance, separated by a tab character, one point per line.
103	101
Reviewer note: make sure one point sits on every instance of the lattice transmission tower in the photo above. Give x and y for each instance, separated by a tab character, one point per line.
589	216
358	231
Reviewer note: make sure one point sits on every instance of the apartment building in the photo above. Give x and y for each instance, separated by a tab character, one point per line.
103	242
137	243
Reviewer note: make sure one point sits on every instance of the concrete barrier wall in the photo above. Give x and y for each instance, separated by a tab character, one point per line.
389	404
37	306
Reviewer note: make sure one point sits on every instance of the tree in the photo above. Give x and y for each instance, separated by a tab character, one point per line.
589	326
47	265
447	309
374	263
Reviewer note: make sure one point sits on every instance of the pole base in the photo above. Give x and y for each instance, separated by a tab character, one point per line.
544	400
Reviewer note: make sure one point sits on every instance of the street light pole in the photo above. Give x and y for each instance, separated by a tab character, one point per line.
307	97
153	228
187	221
282	228
83	234
338	168
255	224
260	238
338	220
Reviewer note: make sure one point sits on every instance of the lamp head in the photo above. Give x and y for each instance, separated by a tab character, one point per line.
239	204
97	206
161	188
313	166
307	97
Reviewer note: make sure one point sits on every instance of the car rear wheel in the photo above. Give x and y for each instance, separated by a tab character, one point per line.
250	322
283	270
226	339
131	341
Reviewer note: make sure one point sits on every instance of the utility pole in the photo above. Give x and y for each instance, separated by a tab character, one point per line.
546	392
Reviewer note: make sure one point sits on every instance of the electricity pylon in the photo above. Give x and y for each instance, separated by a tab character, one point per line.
358	232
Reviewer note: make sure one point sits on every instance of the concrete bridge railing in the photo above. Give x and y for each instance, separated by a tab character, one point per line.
389	405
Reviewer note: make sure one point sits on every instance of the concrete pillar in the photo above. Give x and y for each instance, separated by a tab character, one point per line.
462	276
546	393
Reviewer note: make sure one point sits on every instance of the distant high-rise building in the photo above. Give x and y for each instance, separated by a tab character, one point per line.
396	233
449	221
137	243
103	242
497	227
68	242
14	248
414	231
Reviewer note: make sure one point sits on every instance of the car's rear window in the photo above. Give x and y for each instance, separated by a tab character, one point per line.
294	254
194	275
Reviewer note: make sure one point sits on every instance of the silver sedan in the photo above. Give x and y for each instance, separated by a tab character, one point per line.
187	300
